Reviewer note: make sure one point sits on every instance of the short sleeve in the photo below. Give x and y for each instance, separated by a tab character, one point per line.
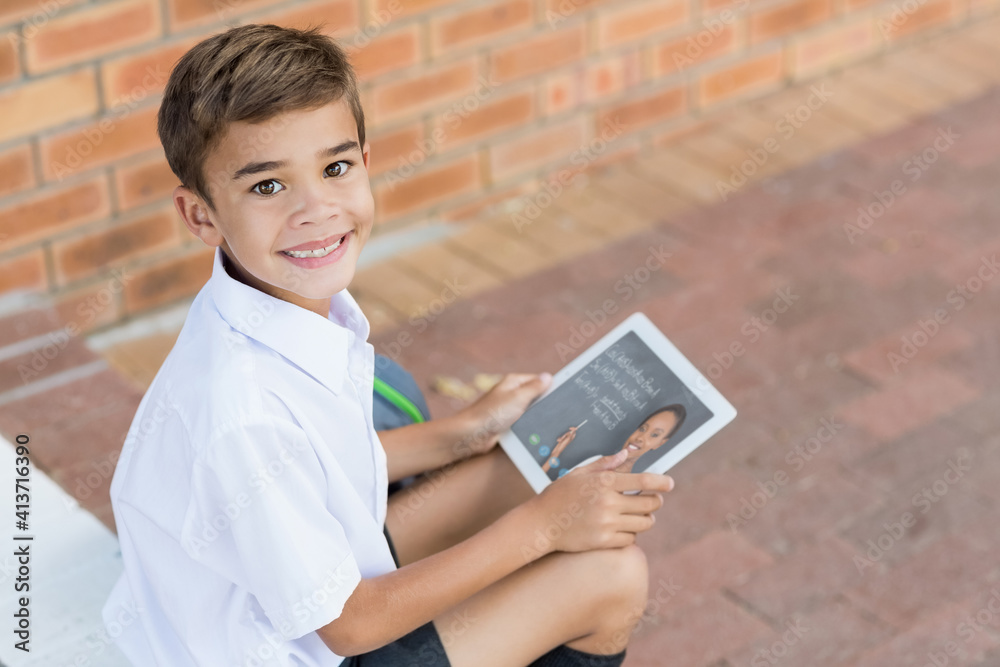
258	516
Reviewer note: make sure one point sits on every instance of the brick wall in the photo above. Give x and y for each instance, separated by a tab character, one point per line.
469	103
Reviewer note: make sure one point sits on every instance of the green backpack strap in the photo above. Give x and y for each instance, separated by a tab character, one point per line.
391	394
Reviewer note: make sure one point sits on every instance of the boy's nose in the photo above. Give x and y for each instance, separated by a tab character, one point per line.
315	204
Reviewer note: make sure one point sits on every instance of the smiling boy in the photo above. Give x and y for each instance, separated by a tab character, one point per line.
250	497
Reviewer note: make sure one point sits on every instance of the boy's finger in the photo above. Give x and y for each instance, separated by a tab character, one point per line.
643	481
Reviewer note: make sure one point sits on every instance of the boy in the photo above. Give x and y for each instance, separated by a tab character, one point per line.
250	497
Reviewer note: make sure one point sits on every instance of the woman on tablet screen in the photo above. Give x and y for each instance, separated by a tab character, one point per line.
651	434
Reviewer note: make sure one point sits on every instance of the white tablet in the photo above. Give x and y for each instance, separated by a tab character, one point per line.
631	389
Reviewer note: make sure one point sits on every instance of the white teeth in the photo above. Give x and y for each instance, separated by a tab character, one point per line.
633	447
319	252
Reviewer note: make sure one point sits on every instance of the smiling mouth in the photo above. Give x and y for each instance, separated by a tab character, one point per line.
634	448
319	252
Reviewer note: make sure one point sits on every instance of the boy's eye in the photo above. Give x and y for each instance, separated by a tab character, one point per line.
336	169
268	187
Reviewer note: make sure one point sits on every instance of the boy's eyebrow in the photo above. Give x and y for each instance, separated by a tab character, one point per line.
257	167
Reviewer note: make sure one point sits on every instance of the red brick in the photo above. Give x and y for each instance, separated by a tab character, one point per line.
644	111
93	305
170	280
914	643
777	21
10	67
112	138
488	119
873	360
186	13
540	54
391	150
399	8
562	92
136	76
17	170
813	573
336	18
751	76
557	11
53	210
475	26
30	13
700	633
910	402
94	252
693	49
48	101
143	182
952	569
92	32
549	144
829	636
832	48
421	92
427	187
25	271
606	79
387	52
895	23
637	22
47	358
719	559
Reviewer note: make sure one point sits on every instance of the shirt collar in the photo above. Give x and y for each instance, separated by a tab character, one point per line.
317	345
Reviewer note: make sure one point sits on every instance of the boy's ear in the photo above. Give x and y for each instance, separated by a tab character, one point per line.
365	154
194	213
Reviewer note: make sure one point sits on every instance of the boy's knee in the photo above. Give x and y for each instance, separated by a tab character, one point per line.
624	573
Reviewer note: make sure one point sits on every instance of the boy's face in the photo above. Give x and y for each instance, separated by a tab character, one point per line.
293	205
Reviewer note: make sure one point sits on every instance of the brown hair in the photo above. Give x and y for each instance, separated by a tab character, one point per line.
249	73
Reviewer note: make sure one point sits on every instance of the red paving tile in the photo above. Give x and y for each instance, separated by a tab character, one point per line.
825	356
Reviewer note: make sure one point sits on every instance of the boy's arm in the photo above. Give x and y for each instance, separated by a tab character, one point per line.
417	448
384	608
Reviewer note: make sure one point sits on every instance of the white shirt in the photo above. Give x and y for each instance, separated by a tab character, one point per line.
250	496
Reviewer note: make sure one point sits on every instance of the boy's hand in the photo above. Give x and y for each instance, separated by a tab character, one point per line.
501	406
586	509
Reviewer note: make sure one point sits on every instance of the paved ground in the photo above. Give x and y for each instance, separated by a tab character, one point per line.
871	398
896	414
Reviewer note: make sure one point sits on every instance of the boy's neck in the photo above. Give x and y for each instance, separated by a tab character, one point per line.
233	270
